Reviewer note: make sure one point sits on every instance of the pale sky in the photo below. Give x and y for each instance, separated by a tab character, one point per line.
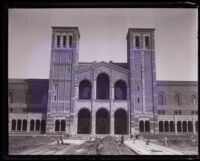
103	38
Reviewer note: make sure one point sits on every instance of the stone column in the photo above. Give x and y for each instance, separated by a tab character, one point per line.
152	126
93	111
94	90
28	126
113	92
75	131
93	122
175	124
193	124
112	126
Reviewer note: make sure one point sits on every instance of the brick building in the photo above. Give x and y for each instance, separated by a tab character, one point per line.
102	98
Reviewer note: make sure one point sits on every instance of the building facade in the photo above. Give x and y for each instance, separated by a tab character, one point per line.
100	97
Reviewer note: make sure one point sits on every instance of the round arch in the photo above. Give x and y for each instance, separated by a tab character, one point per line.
102	121
120	92
120	122
14	125
184	125
84	121
193	98
179	126
85	89
172	126
177	98
103	86
141	126
11	96
161	98
160	126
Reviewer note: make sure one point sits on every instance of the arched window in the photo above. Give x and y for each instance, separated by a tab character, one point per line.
102	121
190	126
197	126
184	126
166	125
19	125
70	40
160	99
141	126
43	126
120	122
103	86
172	127
147	42
58	41
147	126
37	125
13	125
179	128
194	99
55	87
62	125
160	126
55	97
177	98
85	89
32	125
64	40
24	125
10	97
120	90
57	125
84	122
137	42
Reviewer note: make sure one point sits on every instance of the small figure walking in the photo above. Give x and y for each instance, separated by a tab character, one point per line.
147	142
122	140
165	141
61	138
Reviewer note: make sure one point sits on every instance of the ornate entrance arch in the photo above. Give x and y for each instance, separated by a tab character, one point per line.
121	122
103	87
84	122
102	122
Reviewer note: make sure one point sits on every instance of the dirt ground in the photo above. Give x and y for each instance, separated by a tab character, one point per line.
19	144
106	146
187	145
43	145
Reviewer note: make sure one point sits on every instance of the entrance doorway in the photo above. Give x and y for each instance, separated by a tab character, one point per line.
102	122
84	122
121	122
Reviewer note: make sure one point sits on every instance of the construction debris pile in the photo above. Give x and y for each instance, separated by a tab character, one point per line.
105	146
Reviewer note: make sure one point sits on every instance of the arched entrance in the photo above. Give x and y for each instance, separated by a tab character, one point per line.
160	126
102	122
141	126
172	127
103	86
121	126
120	90
84	122
85	89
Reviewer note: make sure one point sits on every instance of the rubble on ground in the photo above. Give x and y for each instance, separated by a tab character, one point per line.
105	146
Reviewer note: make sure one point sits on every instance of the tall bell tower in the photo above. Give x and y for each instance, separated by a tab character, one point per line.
63	65
141	61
